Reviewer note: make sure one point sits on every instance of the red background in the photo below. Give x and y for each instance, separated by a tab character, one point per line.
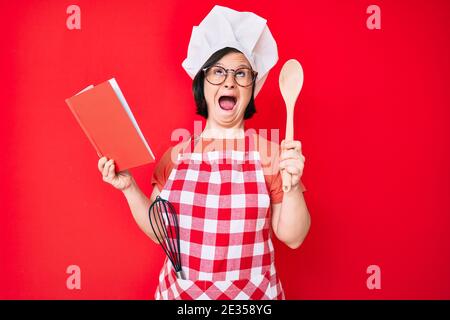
373	117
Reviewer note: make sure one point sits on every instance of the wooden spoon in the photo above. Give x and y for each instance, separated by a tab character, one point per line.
291	82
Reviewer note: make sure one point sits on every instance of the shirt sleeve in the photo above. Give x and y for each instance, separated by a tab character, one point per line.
275	184
162	170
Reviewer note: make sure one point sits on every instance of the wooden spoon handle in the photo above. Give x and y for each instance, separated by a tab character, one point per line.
289	136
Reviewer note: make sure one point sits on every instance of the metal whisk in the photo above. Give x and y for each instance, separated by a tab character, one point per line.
164	222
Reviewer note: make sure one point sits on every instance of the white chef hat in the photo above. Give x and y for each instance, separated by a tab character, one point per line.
244	31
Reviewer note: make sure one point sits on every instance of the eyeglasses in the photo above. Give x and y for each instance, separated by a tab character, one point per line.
217	75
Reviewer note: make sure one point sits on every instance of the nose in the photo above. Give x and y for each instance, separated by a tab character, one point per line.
229	80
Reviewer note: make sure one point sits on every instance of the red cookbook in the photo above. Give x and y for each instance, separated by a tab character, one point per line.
107	120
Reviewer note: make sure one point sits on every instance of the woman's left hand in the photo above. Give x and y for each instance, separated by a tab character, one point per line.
292	160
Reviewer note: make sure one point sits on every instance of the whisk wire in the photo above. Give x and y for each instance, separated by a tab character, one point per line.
159	229
175	238
166	229
168	233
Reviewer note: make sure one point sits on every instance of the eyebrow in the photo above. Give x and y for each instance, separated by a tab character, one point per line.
239	66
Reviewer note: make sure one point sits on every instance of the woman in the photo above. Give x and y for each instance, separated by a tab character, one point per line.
228	202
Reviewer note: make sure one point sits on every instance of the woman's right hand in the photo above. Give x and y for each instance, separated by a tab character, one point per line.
120	180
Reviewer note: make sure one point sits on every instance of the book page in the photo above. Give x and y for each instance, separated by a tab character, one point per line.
85	89
121	97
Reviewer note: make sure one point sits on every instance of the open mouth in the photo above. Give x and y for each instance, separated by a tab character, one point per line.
227	102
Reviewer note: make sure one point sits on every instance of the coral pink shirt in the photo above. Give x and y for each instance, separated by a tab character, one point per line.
268	150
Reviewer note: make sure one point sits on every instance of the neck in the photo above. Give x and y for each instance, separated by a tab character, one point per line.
215	131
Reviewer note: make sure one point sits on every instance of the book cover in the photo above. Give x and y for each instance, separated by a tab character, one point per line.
106	119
